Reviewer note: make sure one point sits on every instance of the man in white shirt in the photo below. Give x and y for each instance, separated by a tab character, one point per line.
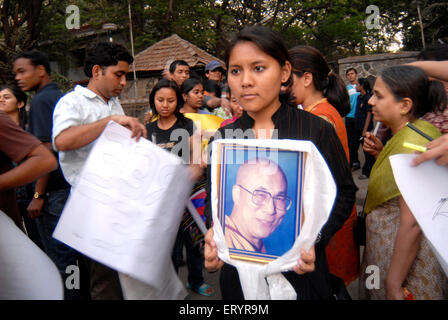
78	120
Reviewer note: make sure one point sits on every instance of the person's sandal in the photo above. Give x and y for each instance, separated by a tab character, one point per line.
204	289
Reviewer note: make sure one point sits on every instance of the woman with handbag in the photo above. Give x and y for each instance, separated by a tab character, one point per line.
395	243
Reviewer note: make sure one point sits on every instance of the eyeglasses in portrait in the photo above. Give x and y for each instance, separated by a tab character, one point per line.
260	200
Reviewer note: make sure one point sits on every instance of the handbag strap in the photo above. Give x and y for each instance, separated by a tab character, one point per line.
362	213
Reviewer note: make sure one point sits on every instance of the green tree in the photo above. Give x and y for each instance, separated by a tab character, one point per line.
434	15
19	30
336	27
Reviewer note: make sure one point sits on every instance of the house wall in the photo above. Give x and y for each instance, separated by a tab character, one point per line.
370	66
137	105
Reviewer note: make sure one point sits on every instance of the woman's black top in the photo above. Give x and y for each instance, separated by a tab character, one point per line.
293	123
179	133
362	108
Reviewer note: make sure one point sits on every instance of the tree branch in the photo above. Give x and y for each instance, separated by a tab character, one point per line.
299	13
277	8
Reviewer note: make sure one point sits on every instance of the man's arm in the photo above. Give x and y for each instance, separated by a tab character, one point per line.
38	162
435	69
214	102
76	137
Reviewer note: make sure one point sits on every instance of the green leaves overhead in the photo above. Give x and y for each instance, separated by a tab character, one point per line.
336	27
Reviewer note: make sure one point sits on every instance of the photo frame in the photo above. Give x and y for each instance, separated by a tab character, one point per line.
279	219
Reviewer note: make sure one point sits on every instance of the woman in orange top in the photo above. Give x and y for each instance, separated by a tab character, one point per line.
322	92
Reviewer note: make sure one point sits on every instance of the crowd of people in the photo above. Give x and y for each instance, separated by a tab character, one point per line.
263	87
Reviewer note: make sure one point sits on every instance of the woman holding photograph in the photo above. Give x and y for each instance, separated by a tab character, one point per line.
258	64
394	240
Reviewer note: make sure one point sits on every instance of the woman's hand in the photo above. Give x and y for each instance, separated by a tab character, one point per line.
394	292
306	261
212	262
372	144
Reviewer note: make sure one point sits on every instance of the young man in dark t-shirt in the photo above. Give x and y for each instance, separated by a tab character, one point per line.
32	72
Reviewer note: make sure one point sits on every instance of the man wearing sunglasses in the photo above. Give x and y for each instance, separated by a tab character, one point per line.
260	202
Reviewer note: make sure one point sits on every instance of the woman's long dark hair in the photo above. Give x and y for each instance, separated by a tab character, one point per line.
309	59
413	83
21	97
271	43
165	83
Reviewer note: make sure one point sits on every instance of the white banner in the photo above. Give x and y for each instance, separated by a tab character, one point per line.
126	210
26	272
425	190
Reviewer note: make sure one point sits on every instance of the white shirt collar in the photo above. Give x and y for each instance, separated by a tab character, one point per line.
86	92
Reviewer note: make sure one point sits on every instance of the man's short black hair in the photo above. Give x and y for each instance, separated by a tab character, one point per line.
37	58
176	63
105	54
350	69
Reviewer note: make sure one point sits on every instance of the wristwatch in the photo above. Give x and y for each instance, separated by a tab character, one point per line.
38	195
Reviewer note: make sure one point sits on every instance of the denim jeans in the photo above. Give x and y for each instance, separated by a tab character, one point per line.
30	224
61	254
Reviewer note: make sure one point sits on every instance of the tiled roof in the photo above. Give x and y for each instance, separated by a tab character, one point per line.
169	49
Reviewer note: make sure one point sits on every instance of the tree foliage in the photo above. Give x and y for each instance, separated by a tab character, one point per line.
19	29
336	27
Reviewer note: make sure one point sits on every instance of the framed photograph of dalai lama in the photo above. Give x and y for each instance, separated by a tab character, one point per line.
260	200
